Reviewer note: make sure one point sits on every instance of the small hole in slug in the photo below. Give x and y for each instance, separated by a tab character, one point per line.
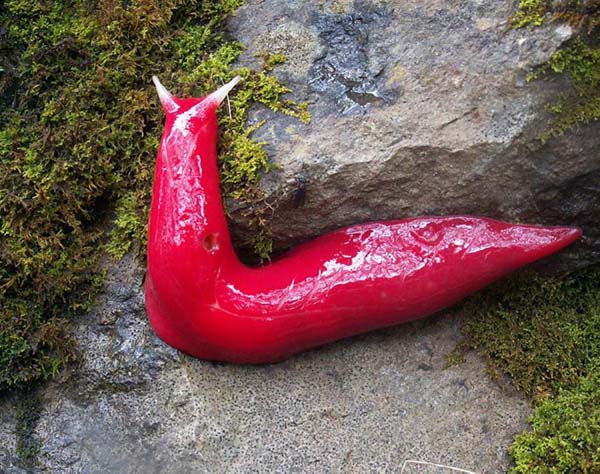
210	242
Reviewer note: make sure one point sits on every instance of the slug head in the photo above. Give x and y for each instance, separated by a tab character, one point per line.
187	216
174	106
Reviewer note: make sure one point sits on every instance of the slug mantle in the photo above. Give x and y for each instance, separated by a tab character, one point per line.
202	300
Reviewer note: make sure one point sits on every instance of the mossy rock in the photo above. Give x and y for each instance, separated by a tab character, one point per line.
544	332
80	129
579	61
565	435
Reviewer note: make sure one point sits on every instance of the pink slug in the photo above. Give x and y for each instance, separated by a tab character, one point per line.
202	300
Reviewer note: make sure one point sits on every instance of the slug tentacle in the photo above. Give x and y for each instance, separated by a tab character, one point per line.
167	99
219	95
203	301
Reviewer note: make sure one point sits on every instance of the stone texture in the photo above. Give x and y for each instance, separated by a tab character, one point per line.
419	107
9	461
366	404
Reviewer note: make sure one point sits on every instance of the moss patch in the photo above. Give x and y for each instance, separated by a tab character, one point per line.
544	332
579	60
529	12
581	63
79	129
28	410
565	434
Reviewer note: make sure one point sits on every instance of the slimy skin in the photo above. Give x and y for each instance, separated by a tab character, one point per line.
203	301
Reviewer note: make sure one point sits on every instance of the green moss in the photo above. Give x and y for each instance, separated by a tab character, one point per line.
80	124
579	13
544	332
529	12
579	61
28	409
565	435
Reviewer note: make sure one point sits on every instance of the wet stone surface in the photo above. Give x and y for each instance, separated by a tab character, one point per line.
343	73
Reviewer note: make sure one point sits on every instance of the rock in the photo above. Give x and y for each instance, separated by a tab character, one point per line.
366	404
418	108
9	461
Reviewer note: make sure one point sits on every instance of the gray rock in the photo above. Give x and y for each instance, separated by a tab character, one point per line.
366	404
419	107
9	460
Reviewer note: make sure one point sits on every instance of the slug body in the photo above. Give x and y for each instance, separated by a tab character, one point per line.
202	300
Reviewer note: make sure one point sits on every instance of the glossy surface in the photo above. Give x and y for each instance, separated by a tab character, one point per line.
203	301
